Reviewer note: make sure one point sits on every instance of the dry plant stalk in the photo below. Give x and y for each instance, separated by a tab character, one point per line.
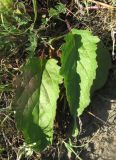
113	32
104	5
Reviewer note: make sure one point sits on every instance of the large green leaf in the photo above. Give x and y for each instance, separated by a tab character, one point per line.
35	102
80	57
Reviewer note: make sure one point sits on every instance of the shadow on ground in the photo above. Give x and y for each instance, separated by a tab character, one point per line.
99	125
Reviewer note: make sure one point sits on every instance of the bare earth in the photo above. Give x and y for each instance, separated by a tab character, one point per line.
99	131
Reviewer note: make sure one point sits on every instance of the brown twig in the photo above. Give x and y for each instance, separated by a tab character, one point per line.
39	11
68	25
90	113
